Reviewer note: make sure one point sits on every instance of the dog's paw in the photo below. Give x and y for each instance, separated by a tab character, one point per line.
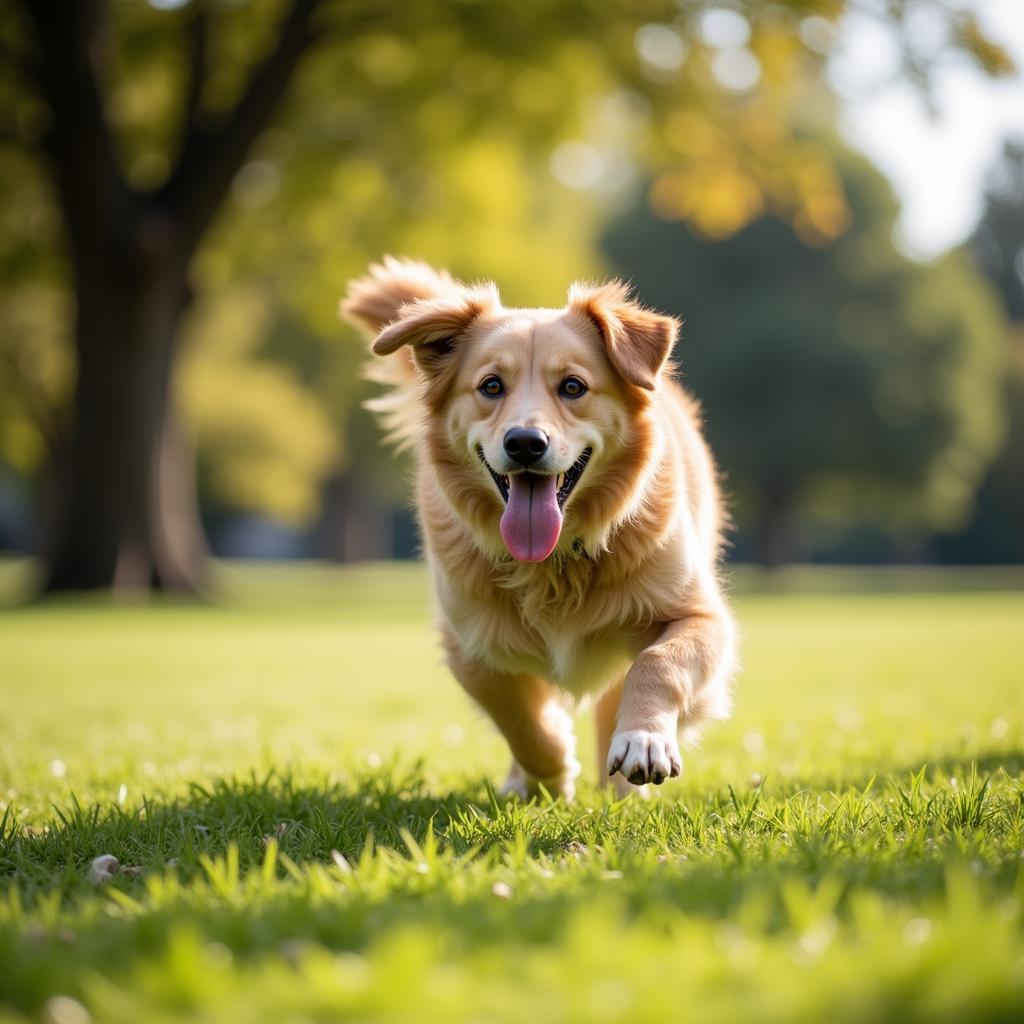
624	788
644	756
524	785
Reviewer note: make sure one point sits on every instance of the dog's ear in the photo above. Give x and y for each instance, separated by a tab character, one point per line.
432	326
638	341
373	300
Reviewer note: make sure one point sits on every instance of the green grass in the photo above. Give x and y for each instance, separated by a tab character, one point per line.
847	848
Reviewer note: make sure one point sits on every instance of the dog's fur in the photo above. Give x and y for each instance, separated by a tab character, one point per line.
628	606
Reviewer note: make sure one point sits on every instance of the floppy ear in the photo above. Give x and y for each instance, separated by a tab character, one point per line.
638	341
432	326
373	300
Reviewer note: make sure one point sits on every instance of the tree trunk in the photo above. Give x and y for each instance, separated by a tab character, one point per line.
126	515
776	533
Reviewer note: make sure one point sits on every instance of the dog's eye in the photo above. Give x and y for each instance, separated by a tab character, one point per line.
572	387
492	387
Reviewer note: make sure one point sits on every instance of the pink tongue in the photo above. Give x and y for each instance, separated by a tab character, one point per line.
532	520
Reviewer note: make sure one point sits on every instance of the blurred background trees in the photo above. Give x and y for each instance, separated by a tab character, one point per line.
188	185
841	383
995	531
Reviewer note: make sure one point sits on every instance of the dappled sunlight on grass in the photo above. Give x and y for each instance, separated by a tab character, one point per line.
301	803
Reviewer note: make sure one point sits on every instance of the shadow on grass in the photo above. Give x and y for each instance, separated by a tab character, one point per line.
389	806
307	821
705	858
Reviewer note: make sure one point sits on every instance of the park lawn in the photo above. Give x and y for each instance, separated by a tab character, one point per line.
847	848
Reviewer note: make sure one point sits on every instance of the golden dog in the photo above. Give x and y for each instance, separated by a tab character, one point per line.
569	510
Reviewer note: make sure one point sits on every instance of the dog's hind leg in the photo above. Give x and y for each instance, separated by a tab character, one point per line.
534	722
606	711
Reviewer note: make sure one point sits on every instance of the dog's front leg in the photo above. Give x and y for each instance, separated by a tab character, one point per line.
665	688
527	710
606	713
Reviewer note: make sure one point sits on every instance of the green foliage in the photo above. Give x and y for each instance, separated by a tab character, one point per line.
263	444
837	376
998	242
35	313
34	378
418	128
847	848
997	245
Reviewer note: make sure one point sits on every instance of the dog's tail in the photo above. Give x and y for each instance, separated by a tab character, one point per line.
372	302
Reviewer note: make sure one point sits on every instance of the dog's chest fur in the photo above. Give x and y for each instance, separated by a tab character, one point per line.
564	621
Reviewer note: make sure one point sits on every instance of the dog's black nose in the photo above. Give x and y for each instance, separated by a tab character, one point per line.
526	444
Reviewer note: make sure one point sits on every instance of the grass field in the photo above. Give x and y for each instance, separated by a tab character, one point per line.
849	848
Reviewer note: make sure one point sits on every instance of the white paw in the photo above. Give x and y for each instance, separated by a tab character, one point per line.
644	756
520	783
623	788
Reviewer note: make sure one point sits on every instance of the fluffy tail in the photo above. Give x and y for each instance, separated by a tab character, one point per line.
372	302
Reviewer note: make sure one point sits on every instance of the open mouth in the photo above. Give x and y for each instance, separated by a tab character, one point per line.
564	482
532	521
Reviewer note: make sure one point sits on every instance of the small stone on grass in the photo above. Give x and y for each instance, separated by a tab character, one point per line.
103	868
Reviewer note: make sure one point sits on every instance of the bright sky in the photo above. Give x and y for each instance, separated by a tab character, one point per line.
937	165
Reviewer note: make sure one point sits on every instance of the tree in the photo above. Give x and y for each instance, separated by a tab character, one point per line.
147	119
834	375
994	532
998	241
129	515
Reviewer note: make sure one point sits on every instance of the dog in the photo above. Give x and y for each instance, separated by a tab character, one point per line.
570	514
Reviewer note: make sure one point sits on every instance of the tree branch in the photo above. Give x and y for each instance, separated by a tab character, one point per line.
197	56
212	154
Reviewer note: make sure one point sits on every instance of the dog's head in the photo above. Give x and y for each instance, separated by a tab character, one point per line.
538	420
